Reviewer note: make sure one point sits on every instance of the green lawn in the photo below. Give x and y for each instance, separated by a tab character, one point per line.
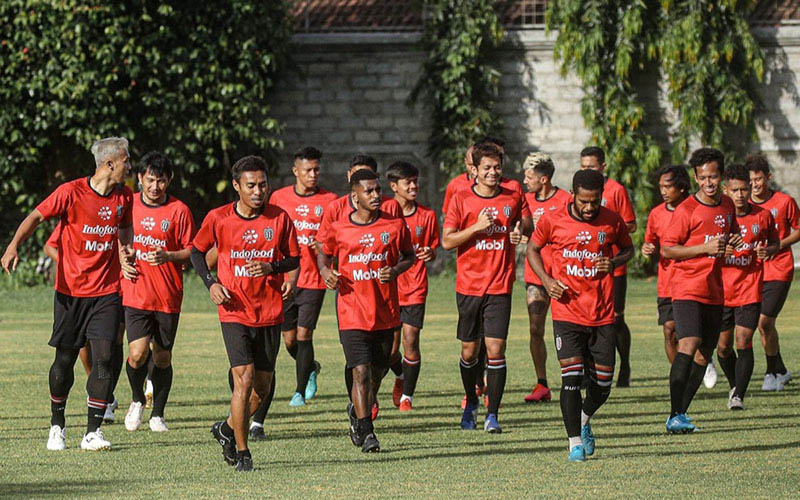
425	454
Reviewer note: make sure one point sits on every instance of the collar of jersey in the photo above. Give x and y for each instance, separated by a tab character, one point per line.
294	188
536	196
263	207
771	194
89	183
141	197
706	204
569	212
500	190
350	218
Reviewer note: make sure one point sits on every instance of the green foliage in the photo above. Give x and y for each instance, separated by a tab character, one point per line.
457	77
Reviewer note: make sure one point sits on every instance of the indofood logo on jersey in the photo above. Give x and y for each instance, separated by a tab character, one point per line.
385	238
318	210
148	223
99	230
582	255
302	210
721	220
367	240
149	241
583	237
304	225
252	253
104	213
269	233
250	236
366	258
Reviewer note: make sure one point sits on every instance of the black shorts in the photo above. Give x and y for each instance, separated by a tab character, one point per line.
695	319
252	344
597	343
620	291
775	293
79	319
413	315
486	316
302	309
367	348
746	316
121	313
160	326
664	310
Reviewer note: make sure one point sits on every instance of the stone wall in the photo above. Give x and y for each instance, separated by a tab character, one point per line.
348	95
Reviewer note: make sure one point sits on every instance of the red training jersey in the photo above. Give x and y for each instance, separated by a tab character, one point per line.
485	262
342	207
463	182
743	272
88	261
412	285
539	209
694	223
616	199
171	227
657	224
55	237
363	302
268	237
589	299
306	212
784	210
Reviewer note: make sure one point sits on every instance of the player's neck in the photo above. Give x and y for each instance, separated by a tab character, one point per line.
301	190
546	193
364	216
742	211
408	206
761	199
101	184
248	212
672	206
154	203
703	198
485	191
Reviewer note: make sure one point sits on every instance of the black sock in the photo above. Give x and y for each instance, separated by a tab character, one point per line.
496	383
469	374
348	382
397	366
304	364
623	337
744	370
61	378
772	364
162	383
411	368
136	377
150	364
596	394
292	350
542	381
482	358
98	386
728	365
692	384
678	376
226	430
261	413
243	453
780	368
570	398
117	360
365	426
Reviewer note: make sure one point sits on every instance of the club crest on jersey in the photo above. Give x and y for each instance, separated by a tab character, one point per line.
385	238
584	237
720	221
418	230
774	212
119	211
302	210
318	210
603	202
268	234
507	211
756	229
367	240
104	213
250	236
164	225
148	223
601	237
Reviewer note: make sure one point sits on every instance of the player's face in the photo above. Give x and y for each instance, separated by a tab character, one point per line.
468	162
533	181
708	178
670	193
306	172
489	172
739	191
587	203
368	194
120	166
407	188
154	187
759	181
252	187
593	163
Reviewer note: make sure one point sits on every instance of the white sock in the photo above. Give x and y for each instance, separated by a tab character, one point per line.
574	441
584	418
255	424
405	397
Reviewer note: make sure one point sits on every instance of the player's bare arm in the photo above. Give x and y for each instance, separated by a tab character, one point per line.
388	274
714	247
554	287
329	276
10	257
451	238
218	293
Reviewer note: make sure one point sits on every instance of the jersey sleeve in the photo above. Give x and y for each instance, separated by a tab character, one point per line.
406	246
57	203
772	231
650	234
793	213
127	209
677	232
524	207
448	197
623	235
55	236
328	242
393	208
432	232
626	207
541	235
327	220
453	216
186	228
289	246
206	237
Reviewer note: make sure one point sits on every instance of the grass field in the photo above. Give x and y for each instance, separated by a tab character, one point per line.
750	454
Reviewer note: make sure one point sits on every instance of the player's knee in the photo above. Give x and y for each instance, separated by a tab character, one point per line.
724	350
162	358
138	357
360	374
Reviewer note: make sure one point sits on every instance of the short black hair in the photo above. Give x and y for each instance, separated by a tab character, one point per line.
364	160
757	162
737	171
680	175
588	179
546	168
249	164
594	151
362	175
157	164
706	155
486	149
487	139
308	153
401	170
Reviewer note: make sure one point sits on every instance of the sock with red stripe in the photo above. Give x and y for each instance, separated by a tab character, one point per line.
470	370
597	390
693	384
495	383
97	410
678	375
136	377
570	398
728	365
98	386
411	368
60	379
744	370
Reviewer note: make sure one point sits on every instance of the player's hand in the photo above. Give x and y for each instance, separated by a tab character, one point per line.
555	288
129	271
648	249
736	240
715	247
386	274
330	277
761	250
258	268
219	294
728	251
126	253
10	259
287	289
157	256
484	219
603	264
425	254
312	244
515	236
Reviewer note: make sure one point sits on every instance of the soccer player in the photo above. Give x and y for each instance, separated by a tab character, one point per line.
543	197
256	245
778	271
742	278
484	223
95	214
152	287
305	202
588	242
372	250
700	229
615	198
412	285
674	185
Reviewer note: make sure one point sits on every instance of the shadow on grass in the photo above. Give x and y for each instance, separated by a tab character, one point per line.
45	489
706	451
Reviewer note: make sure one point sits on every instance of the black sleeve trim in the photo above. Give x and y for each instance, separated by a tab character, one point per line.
284	266
198	259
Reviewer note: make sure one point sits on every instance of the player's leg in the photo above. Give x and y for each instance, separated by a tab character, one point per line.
746	323
86	359
538	303
412	320
726	356
570	341
600	364
688	331
667	322
243	376
774	297
162	367
470	332
117	362
289	333
265	356
67	341
496	316
396	365
141	325
257	424
623	333
308	313
711	321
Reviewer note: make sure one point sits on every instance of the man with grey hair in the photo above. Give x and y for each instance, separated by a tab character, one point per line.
95	213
